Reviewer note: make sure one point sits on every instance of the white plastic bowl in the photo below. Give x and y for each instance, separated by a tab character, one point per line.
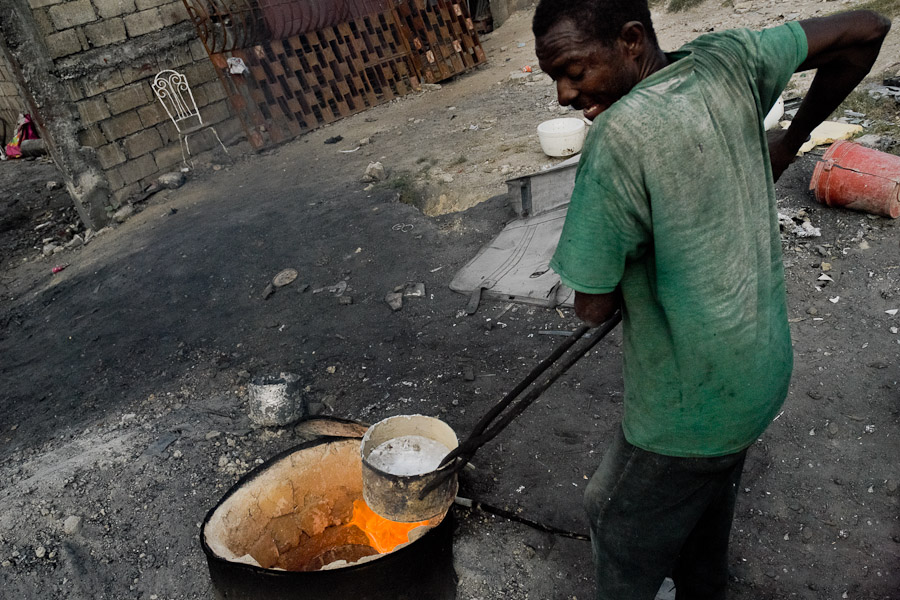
561	137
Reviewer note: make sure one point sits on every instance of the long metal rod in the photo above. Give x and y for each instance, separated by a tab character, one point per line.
484	431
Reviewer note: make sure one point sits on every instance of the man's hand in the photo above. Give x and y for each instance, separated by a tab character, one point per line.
595	309
843	47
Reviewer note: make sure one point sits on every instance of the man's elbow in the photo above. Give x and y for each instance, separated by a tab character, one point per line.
879	25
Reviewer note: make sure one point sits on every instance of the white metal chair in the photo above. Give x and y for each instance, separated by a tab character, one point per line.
173	91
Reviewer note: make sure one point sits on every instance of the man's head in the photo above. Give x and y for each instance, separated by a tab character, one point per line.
595	50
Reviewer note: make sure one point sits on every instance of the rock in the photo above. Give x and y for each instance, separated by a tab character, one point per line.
40	552
52	185
394	300
812	311
171	181
76	241
123	213
48	249
374	172
214	434
414	290
365	141
870	140
431	87
446	177
345	300
223	461
72	525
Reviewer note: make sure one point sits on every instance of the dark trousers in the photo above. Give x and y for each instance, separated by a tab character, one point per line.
654	516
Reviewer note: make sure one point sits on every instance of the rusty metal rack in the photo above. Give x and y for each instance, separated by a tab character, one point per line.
311	62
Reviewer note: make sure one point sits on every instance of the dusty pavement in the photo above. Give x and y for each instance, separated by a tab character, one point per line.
123	409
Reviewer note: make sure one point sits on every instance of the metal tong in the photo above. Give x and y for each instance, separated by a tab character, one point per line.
484	431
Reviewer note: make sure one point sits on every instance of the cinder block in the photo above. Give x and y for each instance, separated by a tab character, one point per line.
167	131
168	156
114	8
115	180
127	97
63	43
145	4
106	32
43	3
200	73
143	142
138	168
91	137
122	125
107	81
72	14
217	112
180	56
230	130
93	110
110	155
143	22
214	91
173	13
74	90
125	193
152	114
198	51
45	25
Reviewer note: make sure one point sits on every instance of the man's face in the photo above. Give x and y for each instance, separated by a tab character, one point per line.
589	75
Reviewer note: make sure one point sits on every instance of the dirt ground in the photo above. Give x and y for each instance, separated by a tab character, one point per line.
123	403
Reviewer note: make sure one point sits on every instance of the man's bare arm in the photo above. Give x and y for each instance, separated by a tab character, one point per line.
595	309
843	48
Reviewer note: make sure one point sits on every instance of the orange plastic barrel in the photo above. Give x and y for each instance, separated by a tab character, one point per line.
858	178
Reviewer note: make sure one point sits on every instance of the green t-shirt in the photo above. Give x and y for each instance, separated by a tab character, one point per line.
674	203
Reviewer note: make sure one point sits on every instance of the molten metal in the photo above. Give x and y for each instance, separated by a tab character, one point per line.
383	534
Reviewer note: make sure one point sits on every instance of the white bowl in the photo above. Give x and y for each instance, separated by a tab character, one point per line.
561	137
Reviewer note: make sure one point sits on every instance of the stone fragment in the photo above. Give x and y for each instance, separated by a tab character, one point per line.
171	181
40	552
414	290
72	525
374	172
123	213
394	300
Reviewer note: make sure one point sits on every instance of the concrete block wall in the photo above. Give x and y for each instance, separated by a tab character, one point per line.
109	51
11	104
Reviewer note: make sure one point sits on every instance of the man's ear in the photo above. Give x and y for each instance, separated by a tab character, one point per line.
633	36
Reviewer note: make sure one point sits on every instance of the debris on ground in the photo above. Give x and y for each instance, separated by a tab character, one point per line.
284	277
374	172
797	223
394	300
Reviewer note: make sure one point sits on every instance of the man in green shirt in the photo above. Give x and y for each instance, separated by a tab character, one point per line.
674	220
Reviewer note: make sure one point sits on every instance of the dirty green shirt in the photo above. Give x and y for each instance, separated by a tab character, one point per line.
674	203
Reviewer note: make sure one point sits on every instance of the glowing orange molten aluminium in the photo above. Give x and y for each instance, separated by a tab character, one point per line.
383	534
